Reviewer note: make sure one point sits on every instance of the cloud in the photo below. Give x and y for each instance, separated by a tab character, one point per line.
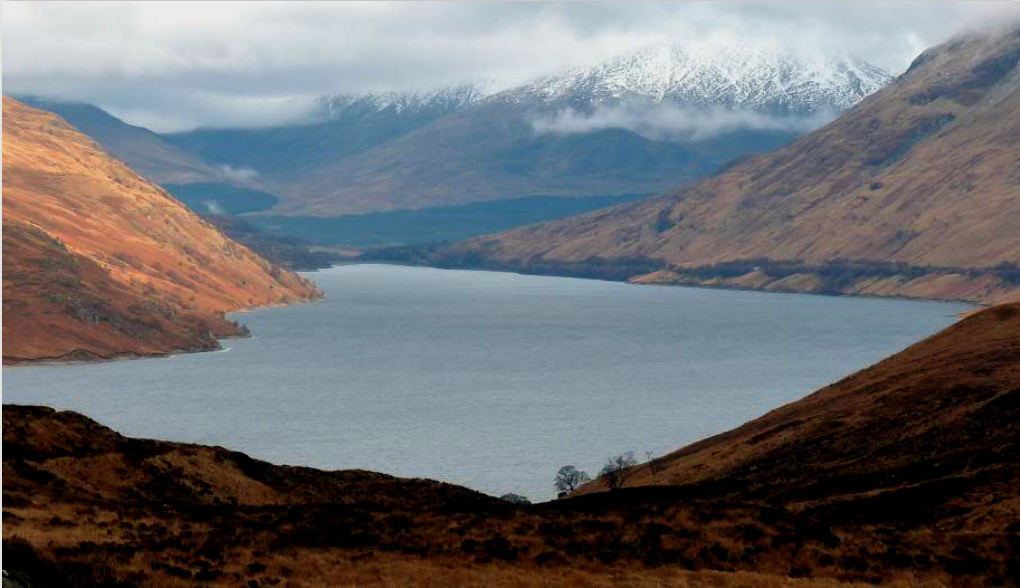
213	207
672	123
173	66
238	174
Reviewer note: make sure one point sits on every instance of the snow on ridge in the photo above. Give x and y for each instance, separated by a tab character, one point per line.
735	76
447	98
764	78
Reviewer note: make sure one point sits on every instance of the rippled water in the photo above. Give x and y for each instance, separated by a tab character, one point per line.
490	380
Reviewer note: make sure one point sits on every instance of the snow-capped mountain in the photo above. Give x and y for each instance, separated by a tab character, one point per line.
637	124
739	77
443	99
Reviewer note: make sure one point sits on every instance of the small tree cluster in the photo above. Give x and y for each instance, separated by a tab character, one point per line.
618	470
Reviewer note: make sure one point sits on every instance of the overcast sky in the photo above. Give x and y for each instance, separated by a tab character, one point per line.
172	66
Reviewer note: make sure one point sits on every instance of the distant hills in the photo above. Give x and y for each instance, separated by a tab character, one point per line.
914	191
638	124
100	263
605	130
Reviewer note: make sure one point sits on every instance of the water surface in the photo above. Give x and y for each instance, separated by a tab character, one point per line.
486	379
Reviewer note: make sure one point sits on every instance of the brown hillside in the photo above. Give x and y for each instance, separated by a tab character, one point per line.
923	173
122	235
48	290
87	507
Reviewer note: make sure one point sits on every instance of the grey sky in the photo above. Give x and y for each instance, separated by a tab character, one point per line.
173	65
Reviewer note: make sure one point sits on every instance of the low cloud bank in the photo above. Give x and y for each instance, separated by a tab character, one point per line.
673	123
238	174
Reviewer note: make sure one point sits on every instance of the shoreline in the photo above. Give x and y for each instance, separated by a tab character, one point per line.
630	281
131	355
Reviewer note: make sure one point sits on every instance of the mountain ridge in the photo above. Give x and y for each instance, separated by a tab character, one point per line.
919	173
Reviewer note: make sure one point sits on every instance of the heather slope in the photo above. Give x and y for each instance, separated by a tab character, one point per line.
939	420
94	212
62	305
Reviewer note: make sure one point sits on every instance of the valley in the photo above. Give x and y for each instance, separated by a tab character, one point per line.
522	294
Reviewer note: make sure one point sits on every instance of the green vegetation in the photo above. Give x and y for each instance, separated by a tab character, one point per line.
442	256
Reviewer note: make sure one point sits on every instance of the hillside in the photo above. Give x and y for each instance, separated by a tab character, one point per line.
101	263
921	174
143	150
903	472
938	420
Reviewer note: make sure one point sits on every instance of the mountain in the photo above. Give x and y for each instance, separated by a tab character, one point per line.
344	125
907	469
143	150
100	263
205	187
638	124
439	100
736	76
914	191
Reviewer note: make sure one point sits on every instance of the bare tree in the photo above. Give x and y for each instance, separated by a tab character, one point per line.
618	469
569	479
